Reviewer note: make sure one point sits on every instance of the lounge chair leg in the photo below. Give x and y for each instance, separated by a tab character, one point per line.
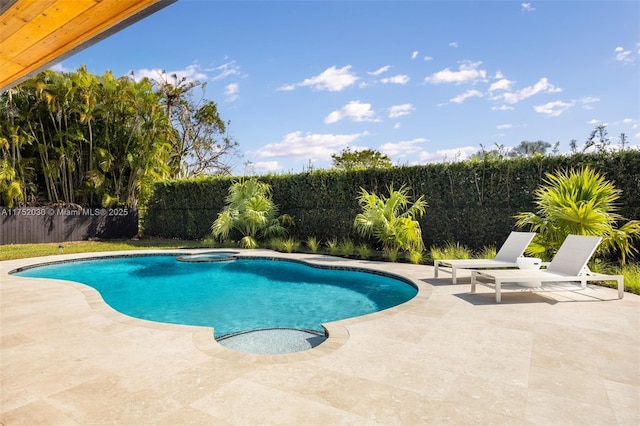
435	268
498	296
453	275
620	287
474	274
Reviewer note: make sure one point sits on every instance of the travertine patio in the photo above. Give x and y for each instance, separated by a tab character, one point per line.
445	357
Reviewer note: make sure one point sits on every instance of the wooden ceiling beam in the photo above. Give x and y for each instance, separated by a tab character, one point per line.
34	34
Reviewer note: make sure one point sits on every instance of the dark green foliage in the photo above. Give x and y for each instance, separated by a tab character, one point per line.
185	208
469	202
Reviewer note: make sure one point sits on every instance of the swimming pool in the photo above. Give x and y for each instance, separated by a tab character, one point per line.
233	296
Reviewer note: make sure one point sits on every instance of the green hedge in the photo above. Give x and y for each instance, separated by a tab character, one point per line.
470	202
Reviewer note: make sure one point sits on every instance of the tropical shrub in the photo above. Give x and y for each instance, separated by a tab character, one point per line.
415	257
313	244
450	251
290	245
391	220
346	247
276	243
579	202
631	274
363	251
332	246
250	212
487	253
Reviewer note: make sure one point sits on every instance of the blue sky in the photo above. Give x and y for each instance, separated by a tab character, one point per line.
420	81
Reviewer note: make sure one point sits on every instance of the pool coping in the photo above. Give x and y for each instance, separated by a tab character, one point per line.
337	331
444	357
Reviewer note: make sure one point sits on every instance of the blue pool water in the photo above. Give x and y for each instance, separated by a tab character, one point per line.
235	296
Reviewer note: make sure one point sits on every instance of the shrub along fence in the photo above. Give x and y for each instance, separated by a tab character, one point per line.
471	202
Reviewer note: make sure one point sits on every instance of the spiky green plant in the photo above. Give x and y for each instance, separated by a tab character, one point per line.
415	257
249	211
346	247
391	220
450	251
363	251
486	253
631	274
392	255
290	245
579	202
276	243
313	244
332	246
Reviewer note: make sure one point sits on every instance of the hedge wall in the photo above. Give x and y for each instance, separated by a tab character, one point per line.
469	202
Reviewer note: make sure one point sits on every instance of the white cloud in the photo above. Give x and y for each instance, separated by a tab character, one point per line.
265	166
331	79
526	7
309	146
542	86
400	110
401	149
414	55
453	44
225	70
396	79
446	155
502	108
397	125
502	84
467	73
60	68
628	120
287	87
466	95
590	99
380	70
192	72
355	110
553	109
428	58
231	92
504	126
586	102
623	55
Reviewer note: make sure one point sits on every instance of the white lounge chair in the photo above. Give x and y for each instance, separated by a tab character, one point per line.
506	257
569	264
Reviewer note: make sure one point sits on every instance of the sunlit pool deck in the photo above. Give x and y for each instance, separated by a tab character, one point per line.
444	357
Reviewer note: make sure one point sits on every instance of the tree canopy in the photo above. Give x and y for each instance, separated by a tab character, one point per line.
79	138
363	159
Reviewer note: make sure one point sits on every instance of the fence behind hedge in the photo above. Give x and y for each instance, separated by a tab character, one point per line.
468	202
56	225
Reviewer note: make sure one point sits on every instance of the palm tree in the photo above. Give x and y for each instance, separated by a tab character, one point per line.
579	202
251	212
391	220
